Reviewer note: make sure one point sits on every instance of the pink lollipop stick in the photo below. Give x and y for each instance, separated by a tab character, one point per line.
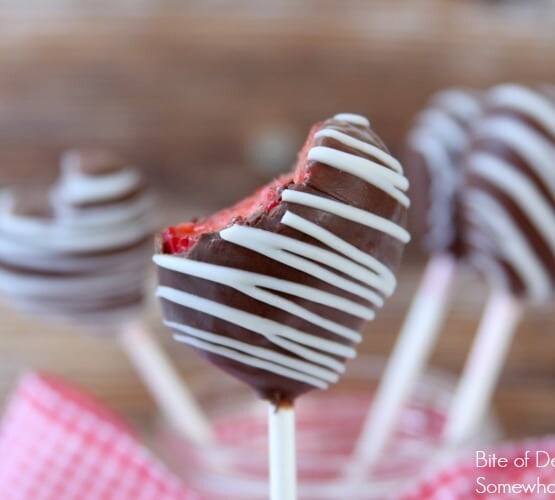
174	398
412	350
483	367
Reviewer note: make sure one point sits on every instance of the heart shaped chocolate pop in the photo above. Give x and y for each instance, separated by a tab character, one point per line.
276	289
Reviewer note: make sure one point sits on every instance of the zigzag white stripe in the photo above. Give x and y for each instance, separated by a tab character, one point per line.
255	361
263	326
364	147
382	177
353	118
262	352
253	284
258	324
282	249
387	278
347	212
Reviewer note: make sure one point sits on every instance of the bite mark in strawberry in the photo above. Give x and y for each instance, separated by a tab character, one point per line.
180	239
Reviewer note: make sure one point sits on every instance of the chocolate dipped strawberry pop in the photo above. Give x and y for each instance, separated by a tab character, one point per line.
509	192
508	205
276	289
435	145
80	250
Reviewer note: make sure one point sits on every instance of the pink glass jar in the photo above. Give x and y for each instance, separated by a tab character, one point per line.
328	423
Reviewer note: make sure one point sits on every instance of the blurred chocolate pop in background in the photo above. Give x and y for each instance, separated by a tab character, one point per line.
77	250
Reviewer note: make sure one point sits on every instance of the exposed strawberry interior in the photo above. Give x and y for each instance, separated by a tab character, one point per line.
179	239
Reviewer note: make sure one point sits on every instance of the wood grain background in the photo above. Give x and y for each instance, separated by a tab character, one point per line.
184	88
192	91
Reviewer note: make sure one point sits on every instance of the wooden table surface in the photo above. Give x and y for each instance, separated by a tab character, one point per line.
524	401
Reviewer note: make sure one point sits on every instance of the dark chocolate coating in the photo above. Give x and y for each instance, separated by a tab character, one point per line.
322	180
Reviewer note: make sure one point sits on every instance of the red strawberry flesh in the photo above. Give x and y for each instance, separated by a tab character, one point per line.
181	238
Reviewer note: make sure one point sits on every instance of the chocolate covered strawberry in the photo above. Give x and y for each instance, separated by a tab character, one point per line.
276	289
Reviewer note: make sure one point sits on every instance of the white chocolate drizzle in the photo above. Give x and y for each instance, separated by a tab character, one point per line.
252	355
364	147
256	285
535	149
303	257
526	101
387	282
353	118
347	212
382	177
336	262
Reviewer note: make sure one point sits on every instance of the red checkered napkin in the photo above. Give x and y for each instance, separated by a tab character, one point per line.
57	443
524	469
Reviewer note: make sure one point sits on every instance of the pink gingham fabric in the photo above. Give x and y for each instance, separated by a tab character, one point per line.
57	443
518	478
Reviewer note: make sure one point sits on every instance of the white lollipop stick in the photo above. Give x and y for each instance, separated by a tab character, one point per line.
483	367
172	396
410	354
283	467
